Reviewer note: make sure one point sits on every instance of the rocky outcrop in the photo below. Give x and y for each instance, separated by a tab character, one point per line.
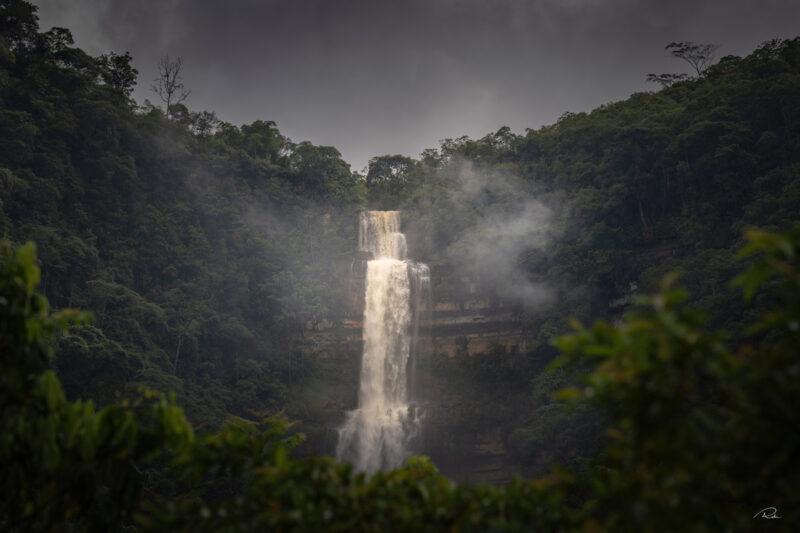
463	319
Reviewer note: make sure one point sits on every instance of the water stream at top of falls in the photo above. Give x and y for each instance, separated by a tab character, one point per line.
376	435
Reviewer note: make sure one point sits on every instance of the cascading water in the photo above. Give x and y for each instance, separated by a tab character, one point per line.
375	436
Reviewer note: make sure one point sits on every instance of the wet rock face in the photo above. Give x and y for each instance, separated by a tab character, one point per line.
471	328
464	318
462	321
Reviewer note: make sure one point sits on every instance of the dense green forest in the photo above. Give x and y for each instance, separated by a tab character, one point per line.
205	253
203	256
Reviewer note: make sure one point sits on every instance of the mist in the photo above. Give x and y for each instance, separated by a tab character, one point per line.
509	222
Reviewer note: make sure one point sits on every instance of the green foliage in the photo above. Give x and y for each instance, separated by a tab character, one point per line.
779	258
116	71
702	434
319	495
64	462
205	249
389	179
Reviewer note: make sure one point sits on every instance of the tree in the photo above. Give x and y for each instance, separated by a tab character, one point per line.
317	169
386	178
169	83
667	80
204	123
116	70
388	168
262	140
19	24
699	56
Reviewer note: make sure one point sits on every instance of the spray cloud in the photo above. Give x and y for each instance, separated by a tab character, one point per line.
510	222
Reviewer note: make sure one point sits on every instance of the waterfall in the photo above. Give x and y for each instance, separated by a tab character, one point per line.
376	435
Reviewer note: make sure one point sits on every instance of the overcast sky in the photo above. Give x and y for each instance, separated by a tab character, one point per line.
374	77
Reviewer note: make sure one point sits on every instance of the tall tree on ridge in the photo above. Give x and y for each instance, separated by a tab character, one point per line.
699	56
169	83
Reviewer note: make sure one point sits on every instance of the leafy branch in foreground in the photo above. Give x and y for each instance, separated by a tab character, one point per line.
703	435
64	461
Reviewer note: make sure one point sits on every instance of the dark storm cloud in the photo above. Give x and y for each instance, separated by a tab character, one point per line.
374	77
